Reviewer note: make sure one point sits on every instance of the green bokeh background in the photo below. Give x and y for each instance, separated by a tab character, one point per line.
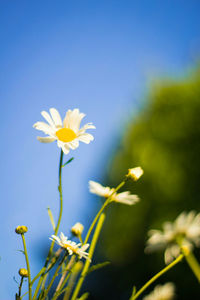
164	138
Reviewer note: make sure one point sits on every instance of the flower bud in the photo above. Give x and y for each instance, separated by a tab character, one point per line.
23	272
77	229
135	173
21	229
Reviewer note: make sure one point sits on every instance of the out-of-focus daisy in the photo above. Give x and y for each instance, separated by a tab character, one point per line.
135	173
106	192
67	133
70	246
185	230
162	292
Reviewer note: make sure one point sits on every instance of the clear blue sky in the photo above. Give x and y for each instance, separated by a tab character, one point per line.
93	55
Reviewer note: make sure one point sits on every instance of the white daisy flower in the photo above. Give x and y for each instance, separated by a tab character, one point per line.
106	192
162	292
67	133
185	230
135	173
70	246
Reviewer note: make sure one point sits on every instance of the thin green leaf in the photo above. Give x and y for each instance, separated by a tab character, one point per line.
15	280
22	251
51	218
134	291
98	266
70	160
84	296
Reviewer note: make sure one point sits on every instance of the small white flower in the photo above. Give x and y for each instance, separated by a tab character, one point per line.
135	173
162	292
185	230
106	192
67	133
77	229
70	246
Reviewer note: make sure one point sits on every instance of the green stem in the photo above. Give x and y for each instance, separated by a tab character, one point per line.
20	287
154	278
192	262
53	278
102	209
28	268
57	226
91	252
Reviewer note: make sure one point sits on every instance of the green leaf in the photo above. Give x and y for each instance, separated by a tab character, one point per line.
134	291
68	162
84	296
51	218
98	266
22	251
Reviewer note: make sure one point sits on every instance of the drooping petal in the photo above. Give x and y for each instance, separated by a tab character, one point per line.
126	198
98	189
44	127
47	139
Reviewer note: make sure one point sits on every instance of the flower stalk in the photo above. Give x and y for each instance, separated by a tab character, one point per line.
91	252
28	267
155	277
56	229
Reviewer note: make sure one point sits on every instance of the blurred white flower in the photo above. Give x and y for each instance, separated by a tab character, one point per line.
185	230
162	292
135	173
67	133
77	229
70	246
106	192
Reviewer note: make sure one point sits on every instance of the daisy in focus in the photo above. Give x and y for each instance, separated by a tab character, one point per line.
67	133
185	231
106	192
162	292
70	246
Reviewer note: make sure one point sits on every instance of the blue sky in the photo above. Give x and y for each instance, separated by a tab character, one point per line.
97	56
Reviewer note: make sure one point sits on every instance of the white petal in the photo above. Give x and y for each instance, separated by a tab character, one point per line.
47	117
56	117
47	139
44	127
73	119
97	188
65	148
85	127
86	138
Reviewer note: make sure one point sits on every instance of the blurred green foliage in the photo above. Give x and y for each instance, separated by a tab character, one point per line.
164	139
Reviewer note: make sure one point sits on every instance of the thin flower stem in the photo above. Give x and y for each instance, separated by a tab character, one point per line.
102	209
20	287
154	278
56	229
60	284
53	278
192	262
91	252
28	268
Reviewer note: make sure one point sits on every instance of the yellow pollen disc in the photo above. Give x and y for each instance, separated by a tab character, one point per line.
70	247
66	135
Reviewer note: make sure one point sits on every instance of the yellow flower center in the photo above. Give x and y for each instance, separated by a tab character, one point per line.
66	135
71	247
